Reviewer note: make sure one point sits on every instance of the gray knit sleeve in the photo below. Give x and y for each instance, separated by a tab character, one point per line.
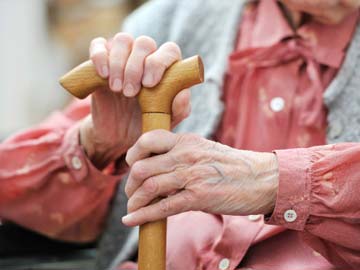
152	19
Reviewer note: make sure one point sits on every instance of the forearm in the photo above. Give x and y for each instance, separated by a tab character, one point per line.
48	184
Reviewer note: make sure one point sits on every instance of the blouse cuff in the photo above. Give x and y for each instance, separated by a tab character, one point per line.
292	208
78	163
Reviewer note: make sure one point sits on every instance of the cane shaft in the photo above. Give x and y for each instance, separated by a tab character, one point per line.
156	107
152	238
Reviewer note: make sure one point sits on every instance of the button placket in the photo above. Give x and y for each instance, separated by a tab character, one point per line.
76	163
290	215
277	104
224	264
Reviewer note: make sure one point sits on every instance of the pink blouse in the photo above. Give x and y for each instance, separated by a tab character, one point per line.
48	184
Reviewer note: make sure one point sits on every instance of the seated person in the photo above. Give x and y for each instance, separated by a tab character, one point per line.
286	73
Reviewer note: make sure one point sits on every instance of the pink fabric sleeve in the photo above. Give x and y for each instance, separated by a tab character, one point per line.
47	183
318	195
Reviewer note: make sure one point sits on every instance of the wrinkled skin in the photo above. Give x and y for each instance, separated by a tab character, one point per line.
115	120
128	63
325	11
192	173
196	174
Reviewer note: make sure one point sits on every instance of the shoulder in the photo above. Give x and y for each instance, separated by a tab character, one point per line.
152	19
161	18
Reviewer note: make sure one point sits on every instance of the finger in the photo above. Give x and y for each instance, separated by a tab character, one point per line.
181	106
153	142
128	266
158	62
143	46
178	203
99	56
154	187
121	46
143	169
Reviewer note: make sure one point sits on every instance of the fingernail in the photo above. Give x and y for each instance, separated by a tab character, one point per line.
116	85
129	90
148	79
127	218
104	71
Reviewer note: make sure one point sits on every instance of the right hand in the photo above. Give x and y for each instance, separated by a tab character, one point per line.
115	121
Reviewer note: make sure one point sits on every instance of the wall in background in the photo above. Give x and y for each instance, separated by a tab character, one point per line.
40	40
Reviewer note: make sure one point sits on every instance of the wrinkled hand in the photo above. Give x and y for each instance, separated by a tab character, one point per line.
115	121
192	173
325	11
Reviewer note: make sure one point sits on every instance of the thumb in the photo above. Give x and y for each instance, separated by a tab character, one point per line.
127	266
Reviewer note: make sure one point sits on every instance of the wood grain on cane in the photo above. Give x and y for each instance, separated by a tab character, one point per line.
156	105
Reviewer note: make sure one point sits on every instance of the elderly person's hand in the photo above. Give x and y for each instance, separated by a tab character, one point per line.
192	173
115	121
325	11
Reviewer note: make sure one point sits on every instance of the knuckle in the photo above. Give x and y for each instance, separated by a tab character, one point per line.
159	133
116	58
190	198
196	174
142	214
115	63
145	43
173	50
138	170
124	38
190	138
97	40
179	178
98	55
146	140
127	191
152	62
132	71
189	157
165	206
151	186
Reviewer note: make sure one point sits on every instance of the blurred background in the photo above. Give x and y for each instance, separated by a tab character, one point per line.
40	40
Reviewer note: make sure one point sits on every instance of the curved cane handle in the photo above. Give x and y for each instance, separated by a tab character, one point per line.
155	104
83	80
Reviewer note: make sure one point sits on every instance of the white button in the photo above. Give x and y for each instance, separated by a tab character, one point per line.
290	215
76	163
277	104
224	264
254	217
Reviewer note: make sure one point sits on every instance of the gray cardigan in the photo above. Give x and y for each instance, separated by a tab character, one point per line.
209	28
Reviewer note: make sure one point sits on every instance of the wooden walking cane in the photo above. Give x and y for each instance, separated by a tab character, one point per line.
155	105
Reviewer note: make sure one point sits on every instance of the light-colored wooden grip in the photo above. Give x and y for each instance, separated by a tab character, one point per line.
156	106
83	80
183	74
152	237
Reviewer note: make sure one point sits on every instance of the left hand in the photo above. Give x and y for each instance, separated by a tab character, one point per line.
192	173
